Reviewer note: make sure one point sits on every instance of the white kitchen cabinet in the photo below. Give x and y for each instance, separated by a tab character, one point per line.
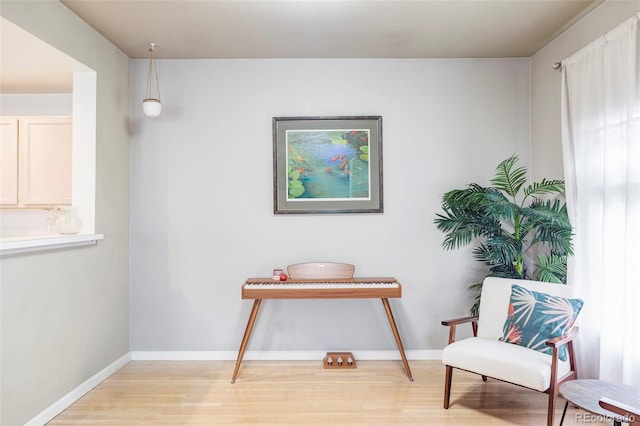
9	161
40	170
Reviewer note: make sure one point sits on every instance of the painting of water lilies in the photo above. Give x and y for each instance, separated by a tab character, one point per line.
327	164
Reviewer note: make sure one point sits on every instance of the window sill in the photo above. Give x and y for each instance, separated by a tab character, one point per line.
9	246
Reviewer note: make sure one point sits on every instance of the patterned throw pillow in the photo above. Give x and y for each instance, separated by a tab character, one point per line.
534	318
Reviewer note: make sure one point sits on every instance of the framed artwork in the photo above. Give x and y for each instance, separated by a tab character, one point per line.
327	165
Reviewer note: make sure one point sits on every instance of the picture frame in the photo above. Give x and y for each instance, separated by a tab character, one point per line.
327	165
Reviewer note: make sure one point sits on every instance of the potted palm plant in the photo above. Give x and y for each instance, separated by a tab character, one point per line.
513	225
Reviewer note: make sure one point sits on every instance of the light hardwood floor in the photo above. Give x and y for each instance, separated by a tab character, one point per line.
302	392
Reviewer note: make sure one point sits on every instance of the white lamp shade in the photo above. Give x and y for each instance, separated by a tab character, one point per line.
151	107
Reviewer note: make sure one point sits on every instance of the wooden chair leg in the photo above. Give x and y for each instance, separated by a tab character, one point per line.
447	386
554	388
553	392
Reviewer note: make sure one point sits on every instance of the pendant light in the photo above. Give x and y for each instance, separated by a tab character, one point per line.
150	105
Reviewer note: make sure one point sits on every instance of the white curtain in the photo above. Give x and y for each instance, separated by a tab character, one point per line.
601	145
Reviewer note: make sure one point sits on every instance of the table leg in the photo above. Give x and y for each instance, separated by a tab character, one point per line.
245	338
392	322
564	412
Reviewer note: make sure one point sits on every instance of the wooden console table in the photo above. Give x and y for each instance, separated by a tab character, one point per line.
353	288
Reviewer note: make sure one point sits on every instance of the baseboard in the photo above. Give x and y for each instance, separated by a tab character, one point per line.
64	402
278	355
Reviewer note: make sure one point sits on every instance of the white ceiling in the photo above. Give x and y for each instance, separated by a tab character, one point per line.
201	29
28	65
196	29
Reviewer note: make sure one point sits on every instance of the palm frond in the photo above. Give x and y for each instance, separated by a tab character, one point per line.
471	198
550	222
506	271
548	212
460	230
557	239
483	254
465	217
500	264
550	225
507	178
475	308
504	249
477	289
544	187
499	206
551	268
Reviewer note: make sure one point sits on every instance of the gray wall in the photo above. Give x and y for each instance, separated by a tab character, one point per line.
65	314
546	139
201	197
201	203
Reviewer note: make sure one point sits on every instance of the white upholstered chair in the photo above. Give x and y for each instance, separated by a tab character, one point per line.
487	356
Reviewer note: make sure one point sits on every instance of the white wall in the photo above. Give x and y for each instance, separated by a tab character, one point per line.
546	140
64	315
36	104
201	197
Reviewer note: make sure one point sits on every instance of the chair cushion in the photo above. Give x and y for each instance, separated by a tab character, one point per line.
503	361
533	318
496	294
